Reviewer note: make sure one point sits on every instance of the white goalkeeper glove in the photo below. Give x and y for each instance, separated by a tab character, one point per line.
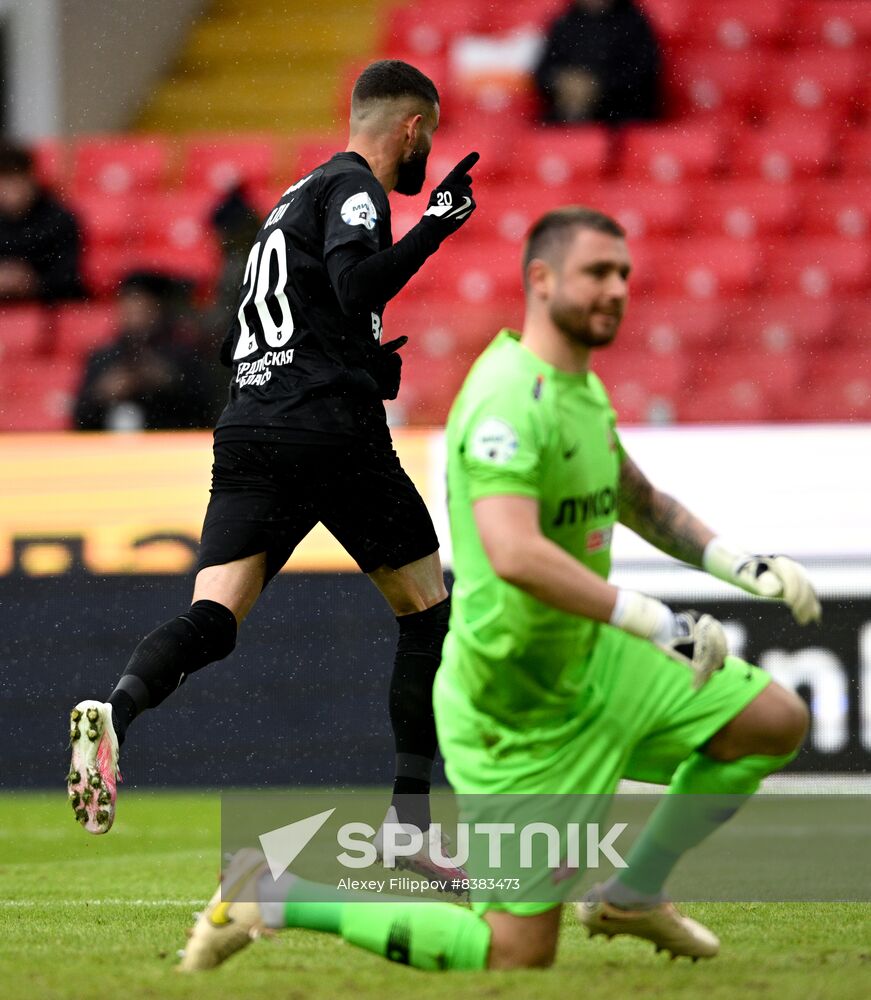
698	641
775	577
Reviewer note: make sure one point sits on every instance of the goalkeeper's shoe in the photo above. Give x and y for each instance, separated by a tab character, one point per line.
443	874
664	925
232	917
92	783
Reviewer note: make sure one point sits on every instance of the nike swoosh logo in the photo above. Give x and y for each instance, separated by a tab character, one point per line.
458	213
570	451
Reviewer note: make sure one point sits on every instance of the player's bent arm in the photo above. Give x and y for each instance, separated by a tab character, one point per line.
659	518
519	553
366	279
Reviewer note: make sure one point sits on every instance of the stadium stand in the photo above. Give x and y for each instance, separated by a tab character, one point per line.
747	209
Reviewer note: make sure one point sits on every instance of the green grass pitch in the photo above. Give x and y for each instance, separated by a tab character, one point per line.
103	917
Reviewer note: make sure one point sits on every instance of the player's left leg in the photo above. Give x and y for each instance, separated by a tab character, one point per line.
714	749
417	596
379	517
249	902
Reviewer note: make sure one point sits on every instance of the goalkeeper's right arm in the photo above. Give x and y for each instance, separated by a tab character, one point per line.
521	555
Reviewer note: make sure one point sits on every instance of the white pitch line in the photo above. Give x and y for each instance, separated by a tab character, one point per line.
11	903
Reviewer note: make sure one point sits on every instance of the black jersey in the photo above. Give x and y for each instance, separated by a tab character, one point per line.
300	365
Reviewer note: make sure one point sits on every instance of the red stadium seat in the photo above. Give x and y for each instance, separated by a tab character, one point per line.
643	388
429	389
670	19
508	212
729	387
742	24
199	263
744	209
669	325
855	153
264	196
838	388
474	273
735	402
500	158
706	267
107	221
706	83
782	152
179	238
80	327
781	323
50	165
418	29
643	209
311	151
840	24
837	208
23	331
809	80
520	15
554	157
670	154
120	165
103	267
854	328
38	396
218	163
444	327
819	267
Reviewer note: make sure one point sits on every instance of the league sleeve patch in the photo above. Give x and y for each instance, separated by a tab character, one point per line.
358	210
494	440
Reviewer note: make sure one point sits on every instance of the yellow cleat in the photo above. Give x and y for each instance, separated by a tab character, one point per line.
232	918
664	925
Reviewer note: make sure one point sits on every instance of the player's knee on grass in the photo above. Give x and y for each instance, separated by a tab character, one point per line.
523	942
774	724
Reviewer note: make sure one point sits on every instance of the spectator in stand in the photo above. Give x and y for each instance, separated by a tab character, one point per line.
236	223
600	63
40	243
148	377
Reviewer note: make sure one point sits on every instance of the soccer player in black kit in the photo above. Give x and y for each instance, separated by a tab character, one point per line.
304	437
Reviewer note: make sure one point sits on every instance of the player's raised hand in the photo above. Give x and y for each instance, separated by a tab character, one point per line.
776	577
451	203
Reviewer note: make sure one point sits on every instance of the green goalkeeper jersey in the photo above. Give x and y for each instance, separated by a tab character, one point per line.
520	426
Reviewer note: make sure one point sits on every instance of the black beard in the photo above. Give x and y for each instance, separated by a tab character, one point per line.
574	323
410	176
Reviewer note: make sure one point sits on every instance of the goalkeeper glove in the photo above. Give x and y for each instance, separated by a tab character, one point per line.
698	641
775	577
387	367
451	203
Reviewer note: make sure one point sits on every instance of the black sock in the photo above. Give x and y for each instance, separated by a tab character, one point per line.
203	634
418	654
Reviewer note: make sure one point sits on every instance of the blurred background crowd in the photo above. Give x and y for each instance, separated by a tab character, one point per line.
730	138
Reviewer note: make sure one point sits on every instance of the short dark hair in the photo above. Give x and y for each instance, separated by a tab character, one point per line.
554	230
14	160
393	78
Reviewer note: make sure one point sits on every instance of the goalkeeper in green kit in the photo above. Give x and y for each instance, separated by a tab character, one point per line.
553	681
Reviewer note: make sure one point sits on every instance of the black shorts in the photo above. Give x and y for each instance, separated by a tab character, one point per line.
266	497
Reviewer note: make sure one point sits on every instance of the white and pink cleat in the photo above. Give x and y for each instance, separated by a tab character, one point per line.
431	861
94	775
